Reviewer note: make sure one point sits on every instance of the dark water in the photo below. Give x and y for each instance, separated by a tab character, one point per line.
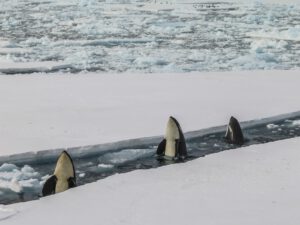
94	168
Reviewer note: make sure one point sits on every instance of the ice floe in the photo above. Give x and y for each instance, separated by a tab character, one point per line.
272	126
13	178
123	157
108	36
32	67
289	34
296	123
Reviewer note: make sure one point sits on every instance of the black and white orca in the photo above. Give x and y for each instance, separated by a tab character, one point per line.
234	134
63	178
173	145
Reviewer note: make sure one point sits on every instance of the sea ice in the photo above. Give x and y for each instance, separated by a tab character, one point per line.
296	123
15	179
167	36
272	126
124	156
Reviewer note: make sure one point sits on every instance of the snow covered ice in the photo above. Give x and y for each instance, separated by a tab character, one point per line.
156	36
207	189
102	117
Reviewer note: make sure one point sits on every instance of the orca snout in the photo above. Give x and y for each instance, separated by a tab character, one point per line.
234	133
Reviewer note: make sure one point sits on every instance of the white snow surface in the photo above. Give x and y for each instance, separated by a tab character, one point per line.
48	112
256	185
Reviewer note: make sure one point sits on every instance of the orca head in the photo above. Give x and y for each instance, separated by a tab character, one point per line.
63	177
234	132
175	146
64	167
172	130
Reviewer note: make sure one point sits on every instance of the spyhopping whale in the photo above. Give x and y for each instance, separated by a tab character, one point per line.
173	145
234	134
63	178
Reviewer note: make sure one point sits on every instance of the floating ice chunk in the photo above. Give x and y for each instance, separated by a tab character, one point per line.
15	179
86	164
148	61
296	123
27	169
263	45
267	57
87	3
125	156
292	34
31	42
196	55
118	1
81	175
105	166
27	173
6	167
31	183
4	185
32	67
272	126
15	186
248	62
171	28
13	50
100	167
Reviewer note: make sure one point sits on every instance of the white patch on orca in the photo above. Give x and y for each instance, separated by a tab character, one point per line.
63	171
230	131
172	134
61	185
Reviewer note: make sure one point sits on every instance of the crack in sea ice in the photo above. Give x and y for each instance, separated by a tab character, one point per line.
23	180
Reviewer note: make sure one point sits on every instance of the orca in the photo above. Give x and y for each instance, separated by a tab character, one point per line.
63	178
173	145
234	134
